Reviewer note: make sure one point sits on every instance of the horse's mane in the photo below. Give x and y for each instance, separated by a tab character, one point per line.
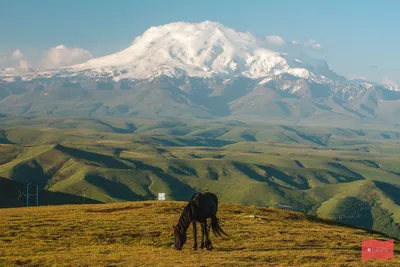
186	217
194	202
189	212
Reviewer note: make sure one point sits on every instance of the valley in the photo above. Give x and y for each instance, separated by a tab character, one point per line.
348	175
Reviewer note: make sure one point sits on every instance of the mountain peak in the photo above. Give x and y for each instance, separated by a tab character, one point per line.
202	49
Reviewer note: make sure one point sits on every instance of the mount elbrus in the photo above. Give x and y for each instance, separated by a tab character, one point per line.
203	70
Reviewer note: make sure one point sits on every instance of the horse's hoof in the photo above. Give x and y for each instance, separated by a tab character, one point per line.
194	249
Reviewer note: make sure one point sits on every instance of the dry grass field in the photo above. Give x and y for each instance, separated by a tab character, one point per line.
140	234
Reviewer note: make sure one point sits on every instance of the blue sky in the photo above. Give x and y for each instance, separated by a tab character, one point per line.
358	38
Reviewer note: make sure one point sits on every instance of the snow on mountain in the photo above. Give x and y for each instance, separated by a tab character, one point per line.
199	50
15	72
300	72
203	70
206	49
392	87
10	74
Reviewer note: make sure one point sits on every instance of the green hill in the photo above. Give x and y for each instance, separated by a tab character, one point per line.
349	175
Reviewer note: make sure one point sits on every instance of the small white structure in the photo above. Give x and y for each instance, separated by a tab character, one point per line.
161	196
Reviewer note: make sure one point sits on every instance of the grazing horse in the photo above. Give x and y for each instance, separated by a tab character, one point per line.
200	207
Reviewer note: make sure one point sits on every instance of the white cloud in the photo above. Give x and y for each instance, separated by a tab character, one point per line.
356	77
317	46
17	54
275	40
387	80
61	56
23	64
311	43
3	58
14	60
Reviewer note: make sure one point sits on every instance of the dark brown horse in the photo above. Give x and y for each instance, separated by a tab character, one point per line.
199	209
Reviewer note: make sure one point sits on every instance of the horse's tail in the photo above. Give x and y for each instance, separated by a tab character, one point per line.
216	228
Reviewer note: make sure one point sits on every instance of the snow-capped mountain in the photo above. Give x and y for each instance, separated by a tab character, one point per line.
198	50
204	49
199	70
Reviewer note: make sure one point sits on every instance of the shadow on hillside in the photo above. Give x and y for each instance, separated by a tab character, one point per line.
299	183
342	178
10	196
347	170
182	170
179	189
299	164
4	140
319	140
30	172
292	182
91	157
130	127
324	221
184	142
391	190
246	170
114	189
209	142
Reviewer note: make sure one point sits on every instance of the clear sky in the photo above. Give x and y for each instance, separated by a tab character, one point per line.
359	38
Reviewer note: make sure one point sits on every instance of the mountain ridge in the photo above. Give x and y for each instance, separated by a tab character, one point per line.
200	70
201	50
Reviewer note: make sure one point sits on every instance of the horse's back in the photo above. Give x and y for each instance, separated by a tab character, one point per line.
206	203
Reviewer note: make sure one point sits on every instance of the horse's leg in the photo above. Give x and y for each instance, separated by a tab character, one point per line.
208	241
202	234
194	235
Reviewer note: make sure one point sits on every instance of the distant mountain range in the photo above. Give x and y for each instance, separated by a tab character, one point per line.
203	70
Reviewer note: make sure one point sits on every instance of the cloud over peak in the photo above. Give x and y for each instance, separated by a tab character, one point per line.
62	55
313	44
23	64
387	80
275	40
17	54
309	44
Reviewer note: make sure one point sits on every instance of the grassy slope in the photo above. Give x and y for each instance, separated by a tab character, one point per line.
140	234
316	170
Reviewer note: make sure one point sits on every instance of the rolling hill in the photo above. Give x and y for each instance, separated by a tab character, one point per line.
349	175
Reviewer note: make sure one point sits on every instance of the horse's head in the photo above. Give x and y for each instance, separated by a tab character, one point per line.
180	238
